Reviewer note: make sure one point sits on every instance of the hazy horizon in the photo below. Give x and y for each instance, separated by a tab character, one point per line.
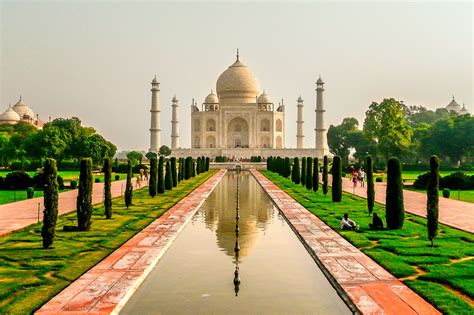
95	60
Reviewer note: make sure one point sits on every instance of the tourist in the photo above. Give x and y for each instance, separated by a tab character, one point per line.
361	177
355	176
146	175
377	223
139	181
142	171
348	224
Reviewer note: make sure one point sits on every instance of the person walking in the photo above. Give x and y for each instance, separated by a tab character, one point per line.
361	176
355	176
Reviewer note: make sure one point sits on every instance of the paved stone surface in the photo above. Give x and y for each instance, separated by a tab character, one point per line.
17	215
372	289
106	287
458	214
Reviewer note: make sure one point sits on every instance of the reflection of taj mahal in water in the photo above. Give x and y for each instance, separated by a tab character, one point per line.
239	120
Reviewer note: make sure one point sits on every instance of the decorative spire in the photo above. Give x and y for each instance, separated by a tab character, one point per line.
20	97
237	54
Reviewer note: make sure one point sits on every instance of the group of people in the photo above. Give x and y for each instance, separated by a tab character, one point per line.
357	176
348	224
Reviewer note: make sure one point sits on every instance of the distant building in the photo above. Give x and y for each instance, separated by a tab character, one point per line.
454	106
20	112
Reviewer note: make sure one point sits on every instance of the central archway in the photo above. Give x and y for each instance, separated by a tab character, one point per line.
238	133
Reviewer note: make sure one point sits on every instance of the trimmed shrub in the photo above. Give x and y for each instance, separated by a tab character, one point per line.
17	180
433	199
446	193
50	195
174	174
394	208
198	162
303	171
108	187
336	179
370	185
316	174
193	167
97	180
152	185
73	184
117	177
84	196
187	168
129	186
208	163
295	172
168	177
325	175
379	180
30	192
309	173
456	181
161	175
287	167
60	182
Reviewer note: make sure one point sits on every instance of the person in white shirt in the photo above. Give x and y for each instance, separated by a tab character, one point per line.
347	224
361	177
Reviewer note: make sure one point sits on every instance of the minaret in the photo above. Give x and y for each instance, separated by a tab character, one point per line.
321	142
299	125
174	124
155	116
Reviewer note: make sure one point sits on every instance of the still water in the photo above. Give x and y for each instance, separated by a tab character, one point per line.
196	274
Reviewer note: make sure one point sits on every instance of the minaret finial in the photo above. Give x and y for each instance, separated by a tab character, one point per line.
453	97
20	97
237	54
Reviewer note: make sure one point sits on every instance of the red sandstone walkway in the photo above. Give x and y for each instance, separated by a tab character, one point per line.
17	215
105	288
370	287
458	214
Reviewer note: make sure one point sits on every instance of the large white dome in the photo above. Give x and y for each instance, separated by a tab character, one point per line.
9	116
238	81
22	109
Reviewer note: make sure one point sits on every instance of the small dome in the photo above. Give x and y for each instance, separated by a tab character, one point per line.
319	81
453	106
300	100
237	81
211	99
23	110
264	98
174	100
463	110
155	81
9	116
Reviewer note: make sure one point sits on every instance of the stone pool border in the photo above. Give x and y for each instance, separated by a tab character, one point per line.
364	285
106	287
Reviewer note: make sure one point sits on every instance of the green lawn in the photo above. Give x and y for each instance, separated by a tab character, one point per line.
71	175
30	275
438	274
410	176
7	196
462	195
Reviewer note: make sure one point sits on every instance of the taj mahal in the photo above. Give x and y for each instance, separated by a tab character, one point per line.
239	120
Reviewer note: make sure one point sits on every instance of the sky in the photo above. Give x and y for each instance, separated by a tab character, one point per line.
95	59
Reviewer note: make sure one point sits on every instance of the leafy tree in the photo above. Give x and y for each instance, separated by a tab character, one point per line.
134	157
303	171
96	147
370	185
325	175
394	209
50	195
295	172
174	175
150	155
164	150
363	144
387	125
84	196
316	175
339	138
168	178
108	187
161	177
129	186
336	179
309	173
433	199
152	185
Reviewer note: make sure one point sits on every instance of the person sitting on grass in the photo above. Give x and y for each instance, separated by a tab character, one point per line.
347	224
377	223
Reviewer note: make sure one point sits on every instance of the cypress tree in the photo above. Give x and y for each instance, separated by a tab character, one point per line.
198	168
316	174
161	175
433	199
152	185
50	195
370	185
108	187
287	167
84	196
208	163
129	186
303	171
325	175
174	175
181	169
309	173
336	179
394	209
295	172
187	168
168	177
193	167
269	162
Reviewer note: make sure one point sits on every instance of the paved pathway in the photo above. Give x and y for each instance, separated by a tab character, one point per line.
17	215
105	288
458	214
370	287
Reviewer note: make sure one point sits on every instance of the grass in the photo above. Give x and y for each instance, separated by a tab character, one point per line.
8	196
30	275
71	175
410	176
462	195
441	274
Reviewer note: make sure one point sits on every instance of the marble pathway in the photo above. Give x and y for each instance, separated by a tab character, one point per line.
17	215
370	287
458	214
106	287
